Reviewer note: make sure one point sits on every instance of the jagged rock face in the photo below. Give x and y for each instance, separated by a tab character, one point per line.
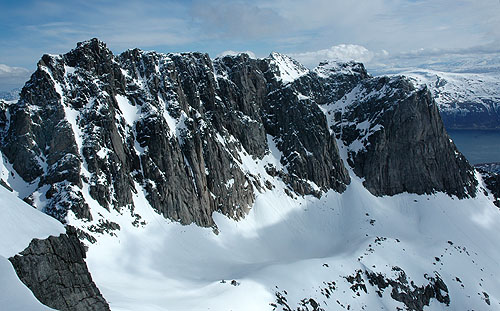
41	146
491	179
89	123
242	93
55	271
94	126
297	124
397	142
4	120
362	282
339	78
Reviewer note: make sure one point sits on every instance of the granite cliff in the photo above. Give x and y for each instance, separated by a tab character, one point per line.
92	132
92	124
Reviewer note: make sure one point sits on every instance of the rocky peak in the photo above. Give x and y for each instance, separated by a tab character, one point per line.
397	141
333	68
183	129
339	78
92	44
286	68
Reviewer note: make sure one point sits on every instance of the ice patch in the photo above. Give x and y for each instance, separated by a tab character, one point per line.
229	184
130	113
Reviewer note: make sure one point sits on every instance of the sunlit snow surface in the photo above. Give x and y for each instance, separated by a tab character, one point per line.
19	224
288	68
298	244
293	244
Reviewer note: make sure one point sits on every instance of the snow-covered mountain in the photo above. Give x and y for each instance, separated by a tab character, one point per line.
490	167
465	100
46	258
249	184
10	95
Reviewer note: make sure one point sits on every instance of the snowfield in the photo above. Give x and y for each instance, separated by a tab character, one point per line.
298	247
341	251
19	224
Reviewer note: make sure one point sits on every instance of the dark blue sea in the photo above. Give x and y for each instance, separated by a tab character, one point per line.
476	145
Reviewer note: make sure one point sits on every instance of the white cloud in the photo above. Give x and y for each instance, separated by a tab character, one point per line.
237	20
476	59
303	29
234	53
342	52
395	26
12	77
479	59
7	71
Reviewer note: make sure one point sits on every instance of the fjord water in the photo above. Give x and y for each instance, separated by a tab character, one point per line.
478	146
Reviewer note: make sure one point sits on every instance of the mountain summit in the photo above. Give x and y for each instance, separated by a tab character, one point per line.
204	180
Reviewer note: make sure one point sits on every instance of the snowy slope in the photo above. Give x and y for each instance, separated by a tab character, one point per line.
287	68
299	247
14	294
19	224
335	251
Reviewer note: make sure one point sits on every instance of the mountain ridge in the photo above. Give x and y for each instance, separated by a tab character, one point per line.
171	163
465	100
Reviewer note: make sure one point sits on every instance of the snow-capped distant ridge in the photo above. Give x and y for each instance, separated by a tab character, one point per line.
11	95
236	53
288	68
458	87
489	167
465	100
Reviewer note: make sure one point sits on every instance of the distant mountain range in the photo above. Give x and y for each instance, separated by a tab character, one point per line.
465	100
10	95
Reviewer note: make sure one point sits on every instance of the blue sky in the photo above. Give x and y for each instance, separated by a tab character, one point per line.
377	32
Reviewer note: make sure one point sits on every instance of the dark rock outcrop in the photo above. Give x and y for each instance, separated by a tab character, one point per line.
415	298
55	271
363	282
175	125
182	128
491	179
397	141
